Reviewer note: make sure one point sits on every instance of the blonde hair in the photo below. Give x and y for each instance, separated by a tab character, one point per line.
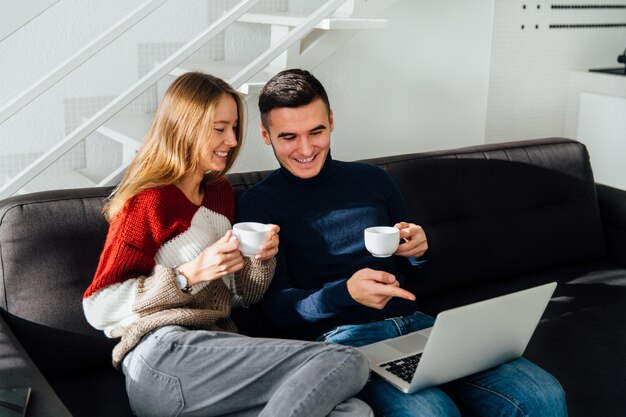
172	146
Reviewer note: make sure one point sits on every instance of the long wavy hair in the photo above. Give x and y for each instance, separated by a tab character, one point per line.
172	146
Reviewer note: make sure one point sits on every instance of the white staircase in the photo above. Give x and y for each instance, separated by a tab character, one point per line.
293	39
14	16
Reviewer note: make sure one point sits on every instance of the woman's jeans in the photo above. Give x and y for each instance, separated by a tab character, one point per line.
174	371
517	388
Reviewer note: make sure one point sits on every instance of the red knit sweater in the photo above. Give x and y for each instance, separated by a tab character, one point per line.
151	218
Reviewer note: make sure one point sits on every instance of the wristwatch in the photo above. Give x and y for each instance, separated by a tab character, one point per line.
181	280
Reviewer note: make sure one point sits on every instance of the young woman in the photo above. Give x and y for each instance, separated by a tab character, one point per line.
170	271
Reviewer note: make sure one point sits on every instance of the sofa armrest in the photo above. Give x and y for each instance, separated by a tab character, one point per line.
18	370
612	203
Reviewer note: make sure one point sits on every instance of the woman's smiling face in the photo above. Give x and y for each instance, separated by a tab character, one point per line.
214	155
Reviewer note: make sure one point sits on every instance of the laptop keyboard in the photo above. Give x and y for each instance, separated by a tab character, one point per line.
403	368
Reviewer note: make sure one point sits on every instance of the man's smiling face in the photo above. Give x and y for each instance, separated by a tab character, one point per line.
300	137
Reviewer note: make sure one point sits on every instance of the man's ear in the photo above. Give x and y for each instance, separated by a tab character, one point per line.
265	134
331	120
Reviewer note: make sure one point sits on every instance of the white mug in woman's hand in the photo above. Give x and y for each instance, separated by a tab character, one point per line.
251	236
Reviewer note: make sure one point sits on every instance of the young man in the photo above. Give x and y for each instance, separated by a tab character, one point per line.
327	287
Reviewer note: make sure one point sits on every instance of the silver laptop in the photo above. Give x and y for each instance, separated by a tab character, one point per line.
463	341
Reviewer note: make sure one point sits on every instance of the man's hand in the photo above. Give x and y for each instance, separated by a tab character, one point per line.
414	240
375	288
269	249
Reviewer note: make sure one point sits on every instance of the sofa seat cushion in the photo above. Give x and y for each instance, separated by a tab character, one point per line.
60	353
99	393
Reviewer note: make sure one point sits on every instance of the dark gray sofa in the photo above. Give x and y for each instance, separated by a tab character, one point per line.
499	218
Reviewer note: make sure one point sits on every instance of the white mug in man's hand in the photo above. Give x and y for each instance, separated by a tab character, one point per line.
251	236
382	241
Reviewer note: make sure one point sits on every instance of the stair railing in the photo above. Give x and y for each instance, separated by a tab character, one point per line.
90	125
73	62
121	101
292	37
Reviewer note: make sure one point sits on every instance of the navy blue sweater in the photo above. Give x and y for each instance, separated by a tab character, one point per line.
321	242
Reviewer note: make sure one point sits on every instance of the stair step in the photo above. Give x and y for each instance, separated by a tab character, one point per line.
226	71
57	179
127	129
331	23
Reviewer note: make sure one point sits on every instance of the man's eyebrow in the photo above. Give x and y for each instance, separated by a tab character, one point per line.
284	134
318	127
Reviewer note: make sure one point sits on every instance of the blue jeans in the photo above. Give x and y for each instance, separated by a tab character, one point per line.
516	388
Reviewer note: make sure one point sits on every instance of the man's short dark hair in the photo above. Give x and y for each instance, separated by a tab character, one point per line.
290	88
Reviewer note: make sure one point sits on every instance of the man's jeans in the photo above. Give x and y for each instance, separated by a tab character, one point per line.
517	388
174	371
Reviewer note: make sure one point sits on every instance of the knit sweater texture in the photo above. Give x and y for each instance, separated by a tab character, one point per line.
322	220
134	290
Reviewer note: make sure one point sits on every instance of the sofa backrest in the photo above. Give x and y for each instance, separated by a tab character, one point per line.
495	211
50	244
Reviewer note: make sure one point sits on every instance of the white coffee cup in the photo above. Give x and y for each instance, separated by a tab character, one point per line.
251	236
382	241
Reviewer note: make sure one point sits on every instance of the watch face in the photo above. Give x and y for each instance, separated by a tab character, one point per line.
181	281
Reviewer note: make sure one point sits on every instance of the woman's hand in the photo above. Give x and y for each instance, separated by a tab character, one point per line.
270	248
214	262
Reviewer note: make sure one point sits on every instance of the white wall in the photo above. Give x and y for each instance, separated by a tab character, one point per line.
418	85
531	66
602	128
421	84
